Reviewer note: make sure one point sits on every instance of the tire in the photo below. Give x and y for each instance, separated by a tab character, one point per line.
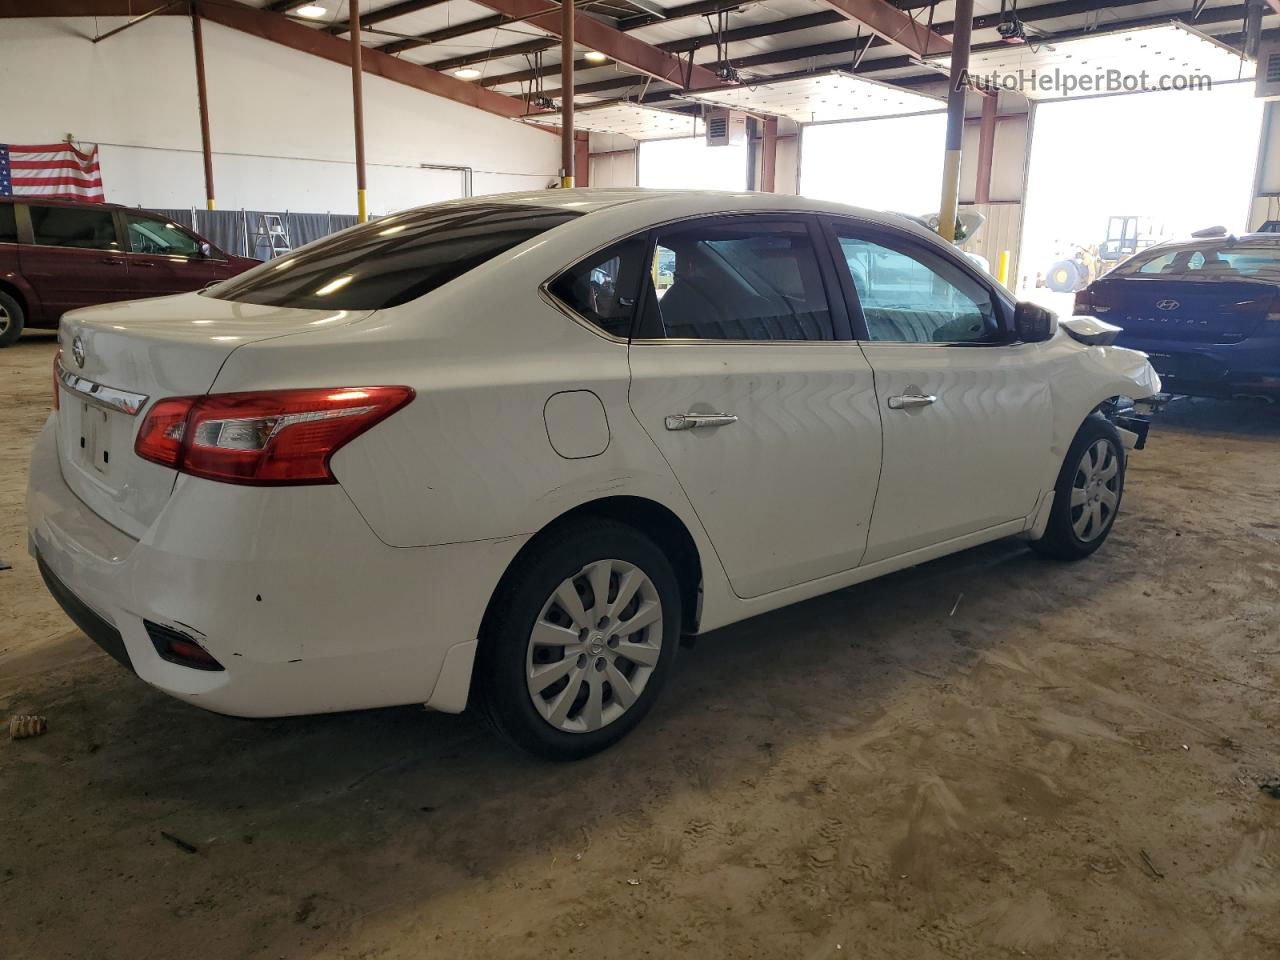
580	708
1071	534
12	319
1063	276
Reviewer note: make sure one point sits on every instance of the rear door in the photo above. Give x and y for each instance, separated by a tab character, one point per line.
165	258
72	256
966	410
744	375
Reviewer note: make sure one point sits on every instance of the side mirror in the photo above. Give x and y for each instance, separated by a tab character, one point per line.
1033	323
206	249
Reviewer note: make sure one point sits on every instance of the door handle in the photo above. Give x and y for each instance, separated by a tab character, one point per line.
694	421
116	261
909	401
143	263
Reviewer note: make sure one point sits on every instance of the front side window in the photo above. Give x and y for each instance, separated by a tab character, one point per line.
86	228
392	260
910	297
160	237
604	287
737	279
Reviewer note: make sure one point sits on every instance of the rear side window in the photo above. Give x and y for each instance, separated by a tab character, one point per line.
737	279
604	287
8	224
393	260
86	228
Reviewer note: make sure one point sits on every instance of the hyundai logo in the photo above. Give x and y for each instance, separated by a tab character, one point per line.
1168	305
77	351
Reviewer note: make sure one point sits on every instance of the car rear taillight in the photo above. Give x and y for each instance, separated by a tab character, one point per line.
1084	302
263	438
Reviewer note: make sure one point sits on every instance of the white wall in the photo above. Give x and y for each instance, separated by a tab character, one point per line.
281	121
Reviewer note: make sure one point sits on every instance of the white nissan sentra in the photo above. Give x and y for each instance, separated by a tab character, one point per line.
508	451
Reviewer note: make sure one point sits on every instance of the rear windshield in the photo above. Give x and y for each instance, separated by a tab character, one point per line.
1206	262
392	260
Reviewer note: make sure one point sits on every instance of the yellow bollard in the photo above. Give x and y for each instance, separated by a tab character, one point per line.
1002	272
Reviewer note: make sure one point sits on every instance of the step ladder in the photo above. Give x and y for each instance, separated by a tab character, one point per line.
273	234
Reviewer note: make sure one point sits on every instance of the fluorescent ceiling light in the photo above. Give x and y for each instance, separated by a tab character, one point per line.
594	56
467	73
311	10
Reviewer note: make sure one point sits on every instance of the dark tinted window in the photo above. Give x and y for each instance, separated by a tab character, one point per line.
85	227
393	260
8	224
739	279
604	287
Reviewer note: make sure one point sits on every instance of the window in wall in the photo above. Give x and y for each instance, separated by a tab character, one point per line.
910	299
743	279
604	287
160	237
689	164
84	227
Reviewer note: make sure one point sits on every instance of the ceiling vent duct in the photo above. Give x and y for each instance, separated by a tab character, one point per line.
1267	79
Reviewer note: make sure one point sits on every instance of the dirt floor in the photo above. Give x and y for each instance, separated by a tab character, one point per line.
987	756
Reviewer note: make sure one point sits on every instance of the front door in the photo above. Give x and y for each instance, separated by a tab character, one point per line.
744	375
72	257
966	409
164	258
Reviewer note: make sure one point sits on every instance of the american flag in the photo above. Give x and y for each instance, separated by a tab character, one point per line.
50	170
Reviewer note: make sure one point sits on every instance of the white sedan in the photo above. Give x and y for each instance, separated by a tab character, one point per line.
508	451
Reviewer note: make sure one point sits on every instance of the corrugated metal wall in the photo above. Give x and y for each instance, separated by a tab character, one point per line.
1002	231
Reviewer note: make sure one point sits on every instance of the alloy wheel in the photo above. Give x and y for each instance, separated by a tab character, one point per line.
5	320
1095	490
594	646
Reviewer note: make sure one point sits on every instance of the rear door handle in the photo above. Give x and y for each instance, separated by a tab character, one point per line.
695	421
909	401
115	261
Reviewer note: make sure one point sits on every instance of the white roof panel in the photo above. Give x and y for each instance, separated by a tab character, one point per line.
820	97
633	120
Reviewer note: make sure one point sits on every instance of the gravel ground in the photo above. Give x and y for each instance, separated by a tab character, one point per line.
987	756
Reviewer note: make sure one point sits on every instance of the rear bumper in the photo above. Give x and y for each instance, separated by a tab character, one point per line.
1251	366
288	588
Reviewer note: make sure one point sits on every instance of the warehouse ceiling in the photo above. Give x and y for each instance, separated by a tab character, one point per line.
755	38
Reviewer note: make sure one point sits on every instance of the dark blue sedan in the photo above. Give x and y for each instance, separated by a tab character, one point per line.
1207	312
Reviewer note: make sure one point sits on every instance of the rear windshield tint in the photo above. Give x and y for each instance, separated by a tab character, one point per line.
392	260
1207	262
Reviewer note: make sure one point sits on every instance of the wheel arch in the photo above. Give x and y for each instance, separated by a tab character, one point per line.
647	516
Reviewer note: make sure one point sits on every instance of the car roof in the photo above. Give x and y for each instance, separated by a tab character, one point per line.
67	202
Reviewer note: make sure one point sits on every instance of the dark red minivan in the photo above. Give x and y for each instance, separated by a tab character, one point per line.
56	255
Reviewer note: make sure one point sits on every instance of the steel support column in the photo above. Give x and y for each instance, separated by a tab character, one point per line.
202	98
956	91
769	155
357	97
567	158
986	148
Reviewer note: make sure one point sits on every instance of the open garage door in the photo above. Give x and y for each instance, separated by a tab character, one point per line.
894	163
1109	175
688	163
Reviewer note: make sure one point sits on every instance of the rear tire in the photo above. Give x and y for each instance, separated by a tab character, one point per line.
1063	277
12	319
579	640
1087	496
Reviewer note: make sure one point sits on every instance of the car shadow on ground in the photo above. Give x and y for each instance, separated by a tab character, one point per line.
1253	418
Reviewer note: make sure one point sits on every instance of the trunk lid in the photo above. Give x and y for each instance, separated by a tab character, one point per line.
1187	311
132	354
